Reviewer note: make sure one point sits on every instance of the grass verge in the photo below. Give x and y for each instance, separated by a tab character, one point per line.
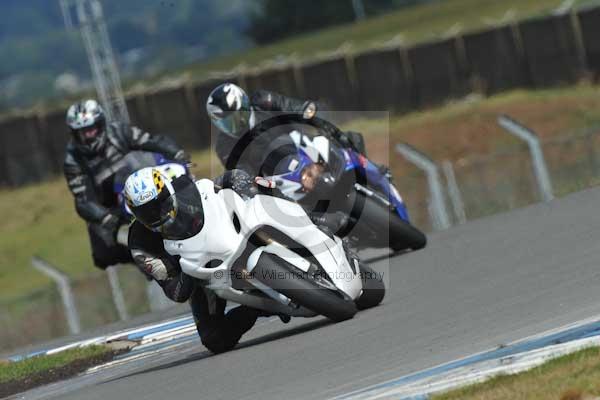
16	377
572	377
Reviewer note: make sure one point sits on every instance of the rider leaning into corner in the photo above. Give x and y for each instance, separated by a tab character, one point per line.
173	210
234	114
92	158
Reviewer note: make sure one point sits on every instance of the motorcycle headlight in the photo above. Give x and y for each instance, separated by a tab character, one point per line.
310	176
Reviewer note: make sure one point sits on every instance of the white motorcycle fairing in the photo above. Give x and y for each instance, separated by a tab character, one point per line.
229	221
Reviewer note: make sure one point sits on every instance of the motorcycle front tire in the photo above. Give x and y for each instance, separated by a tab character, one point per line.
282	276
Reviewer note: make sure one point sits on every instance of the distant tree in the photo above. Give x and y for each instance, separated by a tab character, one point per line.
277	19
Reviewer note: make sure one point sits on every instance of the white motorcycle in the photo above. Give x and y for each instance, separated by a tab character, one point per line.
266	253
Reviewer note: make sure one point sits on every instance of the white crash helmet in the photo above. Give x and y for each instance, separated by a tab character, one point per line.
151	198
229	108
87	122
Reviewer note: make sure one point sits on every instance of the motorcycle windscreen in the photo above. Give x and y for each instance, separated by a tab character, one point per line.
133	161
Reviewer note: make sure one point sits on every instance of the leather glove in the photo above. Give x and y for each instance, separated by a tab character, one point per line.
240	182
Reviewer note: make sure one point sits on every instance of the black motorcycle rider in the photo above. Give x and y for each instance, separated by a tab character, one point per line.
173	210
92	159
239	146
234	114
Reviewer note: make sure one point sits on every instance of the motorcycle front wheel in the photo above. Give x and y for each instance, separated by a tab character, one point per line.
282	276
373	288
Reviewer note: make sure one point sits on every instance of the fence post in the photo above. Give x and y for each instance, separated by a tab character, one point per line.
564	7
156	297
359	9
117	293
66	294
537	156
453	190
437	204
433	216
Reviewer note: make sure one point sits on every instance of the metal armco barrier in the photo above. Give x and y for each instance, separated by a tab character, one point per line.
440	217
156	297
454	193
66	294
537	156
117	293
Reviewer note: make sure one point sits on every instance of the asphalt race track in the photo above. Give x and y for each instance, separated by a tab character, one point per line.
477	286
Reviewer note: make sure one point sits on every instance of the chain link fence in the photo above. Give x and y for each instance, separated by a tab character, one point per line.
505	180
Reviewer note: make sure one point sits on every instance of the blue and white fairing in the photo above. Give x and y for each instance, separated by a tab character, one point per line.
319	150
377	179
310	151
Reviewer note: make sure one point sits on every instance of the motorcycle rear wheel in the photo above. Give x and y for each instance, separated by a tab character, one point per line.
374	215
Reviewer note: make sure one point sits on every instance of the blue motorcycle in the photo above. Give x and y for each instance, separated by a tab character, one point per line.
324	176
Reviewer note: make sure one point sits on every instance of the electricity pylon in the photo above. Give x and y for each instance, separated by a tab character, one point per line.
89	19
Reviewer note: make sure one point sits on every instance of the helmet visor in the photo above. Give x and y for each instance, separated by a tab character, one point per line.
190	214
235	123
157	212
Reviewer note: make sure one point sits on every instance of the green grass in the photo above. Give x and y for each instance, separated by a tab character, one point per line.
10	371
572	377
414	24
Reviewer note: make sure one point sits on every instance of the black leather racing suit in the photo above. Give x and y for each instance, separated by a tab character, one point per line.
90	178
219	331
268	148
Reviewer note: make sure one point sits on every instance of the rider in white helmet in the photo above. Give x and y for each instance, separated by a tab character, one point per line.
91	161
173	210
